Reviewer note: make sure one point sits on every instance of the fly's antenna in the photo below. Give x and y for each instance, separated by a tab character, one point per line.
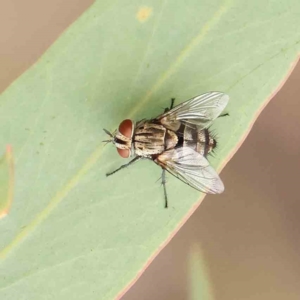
109	134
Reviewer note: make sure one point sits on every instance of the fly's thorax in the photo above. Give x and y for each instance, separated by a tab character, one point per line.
123	138
200	141
151	138
171	139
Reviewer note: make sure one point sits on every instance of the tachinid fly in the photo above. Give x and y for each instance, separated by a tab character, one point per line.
177	140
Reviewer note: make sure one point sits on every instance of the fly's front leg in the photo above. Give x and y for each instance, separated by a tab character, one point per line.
124	166
163	182
171	106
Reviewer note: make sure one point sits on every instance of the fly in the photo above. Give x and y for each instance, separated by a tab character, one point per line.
178	141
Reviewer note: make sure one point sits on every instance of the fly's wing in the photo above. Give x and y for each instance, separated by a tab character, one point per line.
199	111
192	168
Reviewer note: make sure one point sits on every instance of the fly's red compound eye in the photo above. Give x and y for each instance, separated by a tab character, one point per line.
126	128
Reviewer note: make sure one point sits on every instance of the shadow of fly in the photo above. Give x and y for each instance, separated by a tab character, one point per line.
177	140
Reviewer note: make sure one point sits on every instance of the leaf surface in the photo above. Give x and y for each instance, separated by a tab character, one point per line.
72	232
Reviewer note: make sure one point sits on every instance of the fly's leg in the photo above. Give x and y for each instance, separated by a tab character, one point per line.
124	166
163	182
224	115
172	103
171	106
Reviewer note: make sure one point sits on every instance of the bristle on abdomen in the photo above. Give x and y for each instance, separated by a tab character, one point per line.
206	142
201	141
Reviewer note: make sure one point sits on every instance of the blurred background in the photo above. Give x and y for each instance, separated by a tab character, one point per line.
249	237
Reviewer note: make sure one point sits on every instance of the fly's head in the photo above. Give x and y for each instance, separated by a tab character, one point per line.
122	138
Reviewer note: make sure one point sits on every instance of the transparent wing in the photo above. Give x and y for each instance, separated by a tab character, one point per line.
200	111
192	168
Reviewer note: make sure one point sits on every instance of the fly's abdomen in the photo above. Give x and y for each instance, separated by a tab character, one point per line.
200	141
206	143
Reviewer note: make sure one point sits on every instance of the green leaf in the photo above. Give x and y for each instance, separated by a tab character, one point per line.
72	232
6	181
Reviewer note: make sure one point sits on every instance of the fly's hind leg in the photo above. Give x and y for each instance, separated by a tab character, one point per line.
163	182
124	166
224	115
